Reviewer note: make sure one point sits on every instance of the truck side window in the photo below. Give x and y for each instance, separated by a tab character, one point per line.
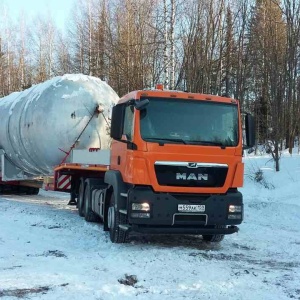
128	122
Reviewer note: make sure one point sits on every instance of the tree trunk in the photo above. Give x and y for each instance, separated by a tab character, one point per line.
276	151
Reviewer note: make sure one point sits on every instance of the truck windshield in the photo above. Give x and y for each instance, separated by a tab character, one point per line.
183	121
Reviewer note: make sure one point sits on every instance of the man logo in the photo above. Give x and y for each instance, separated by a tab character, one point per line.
191	176
192	165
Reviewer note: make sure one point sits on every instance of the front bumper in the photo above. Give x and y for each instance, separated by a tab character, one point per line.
164	216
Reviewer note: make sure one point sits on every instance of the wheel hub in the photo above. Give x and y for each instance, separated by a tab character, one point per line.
111	217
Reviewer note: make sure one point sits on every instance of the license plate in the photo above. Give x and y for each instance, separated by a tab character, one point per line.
191	208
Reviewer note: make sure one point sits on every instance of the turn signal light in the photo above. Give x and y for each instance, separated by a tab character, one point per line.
140	215
234	217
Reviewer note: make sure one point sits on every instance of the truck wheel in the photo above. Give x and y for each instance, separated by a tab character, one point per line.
32	191
114	219
214	238
35	191
89	215
81	198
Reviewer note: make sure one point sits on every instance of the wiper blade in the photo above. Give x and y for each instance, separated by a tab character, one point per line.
167	140
210	143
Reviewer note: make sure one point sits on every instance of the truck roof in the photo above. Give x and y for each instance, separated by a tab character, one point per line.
176	94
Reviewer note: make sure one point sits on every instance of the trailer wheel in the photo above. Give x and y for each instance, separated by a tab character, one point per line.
36	191
114	219
81	198
214	238
32	191
89	215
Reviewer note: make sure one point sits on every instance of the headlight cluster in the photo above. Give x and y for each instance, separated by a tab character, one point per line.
140	210
141	206
235	212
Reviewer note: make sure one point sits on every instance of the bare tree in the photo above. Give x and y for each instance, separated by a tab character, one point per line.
42	45
268	48
292	15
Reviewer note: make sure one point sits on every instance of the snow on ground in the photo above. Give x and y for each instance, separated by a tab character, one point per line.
48	252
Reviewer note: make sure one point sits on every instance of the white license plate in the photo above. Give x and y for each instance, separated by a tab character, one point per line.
191	208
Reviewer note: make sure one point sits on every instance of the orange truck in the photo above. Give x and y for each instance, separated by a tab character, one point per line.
175	166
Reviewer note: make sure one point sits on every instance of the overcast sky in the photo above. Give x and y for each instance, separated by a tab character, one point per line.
60	9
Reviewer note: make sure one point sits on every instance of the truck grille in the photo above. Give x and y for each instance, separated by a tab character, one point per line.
204	175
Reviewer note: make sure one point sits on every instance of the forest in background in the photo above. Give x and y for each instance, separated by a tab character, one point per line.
246	49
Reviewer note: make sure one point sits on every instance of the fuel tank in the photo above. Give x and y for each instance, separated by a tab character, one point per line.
39	125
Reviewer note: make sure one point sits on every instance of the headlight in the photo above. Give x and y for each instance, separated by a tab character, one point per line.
141	206
235	209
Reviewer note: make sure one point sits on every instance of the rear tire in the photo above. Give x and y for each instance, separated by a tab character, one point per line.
35	191
81	195
214	238
114	219
89	215
32	191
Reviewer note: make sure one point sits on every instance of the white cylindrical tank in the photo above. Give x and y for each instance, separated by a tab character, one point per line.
38	124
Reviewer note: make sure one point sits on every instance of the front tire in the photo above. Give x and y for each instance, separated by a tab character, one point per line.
114	219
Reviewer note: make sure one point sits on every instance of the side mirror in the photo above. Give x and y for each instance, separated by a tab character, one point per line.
117	121
250	131
140	105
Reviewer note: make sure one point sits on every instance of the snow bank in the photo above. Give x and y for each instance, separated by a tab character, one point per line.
49	252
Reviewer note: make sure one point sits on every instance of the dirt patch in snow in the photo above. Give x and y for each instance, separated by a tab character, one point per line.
239	257
22	293
56	253
130	280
